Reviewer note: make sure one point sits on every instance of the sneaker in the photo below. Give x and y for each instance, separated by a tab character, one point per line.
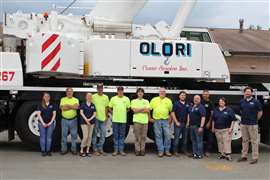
115	153
160	154
194	156
101	152
242	159
176	154
49	154
43	154
63	152
199	157
97	153
122	153
137	153
168	154
253	161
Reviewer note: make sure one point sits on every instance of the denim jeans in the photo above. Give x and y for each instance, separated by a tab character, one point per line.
45	139
161	129
180	131
197	141
72	126
119	132
98	142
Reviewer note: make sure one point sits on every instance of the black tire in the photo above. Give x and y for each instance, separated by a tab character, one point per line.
23	130
237	146
150	132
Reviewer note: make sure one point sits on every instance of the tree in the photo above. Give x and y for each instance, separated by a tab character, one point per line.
253	27
258	27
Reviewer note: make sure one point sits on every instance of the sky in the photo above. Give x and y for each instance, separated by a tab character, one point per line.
207	13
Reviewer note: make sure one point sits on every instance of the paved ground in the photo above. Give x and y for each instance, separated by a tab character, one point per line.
18	162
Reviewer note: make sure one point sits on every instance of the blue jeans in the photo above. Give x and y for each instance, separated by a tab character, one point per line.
180	131
119	132
72	126
161	128
100	128
197	141
45	139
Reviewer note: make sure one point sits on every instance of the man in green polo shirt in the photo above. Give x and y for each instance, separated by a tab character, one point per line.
101	102
162	107
141	109
119	106
69	106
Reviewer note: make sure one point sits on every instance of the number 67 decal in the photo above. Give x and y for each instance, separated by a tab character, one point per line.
7	75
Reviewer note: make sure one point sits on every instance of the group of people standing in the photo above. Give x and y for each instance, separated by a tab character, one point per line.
200	120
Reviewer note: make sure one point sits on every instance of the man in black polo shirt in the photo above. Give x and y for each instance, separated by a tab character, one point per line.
251	111
208	135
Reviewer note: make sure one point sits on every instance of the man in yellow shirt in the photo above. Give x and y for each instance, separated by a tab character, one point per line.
69	106
101	102
119	106
162	107
141	109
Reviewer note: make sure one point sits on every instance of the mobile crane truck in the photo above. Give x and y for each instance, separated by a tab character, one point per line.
52	51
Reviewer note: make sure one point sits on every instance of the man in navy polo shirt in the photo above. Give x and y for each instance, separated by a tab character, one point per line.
179	115
251	112
196	119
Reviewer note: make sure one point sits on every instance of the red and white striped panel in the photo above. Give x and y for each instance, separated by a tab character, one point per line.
50	52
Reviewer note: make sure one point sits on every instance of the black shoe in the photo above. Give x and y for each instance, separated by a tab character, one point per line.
221	156
49	154
43	154
63	152
137	153
253	161
82	154
242	159
228	158
199	157
142	153
194	156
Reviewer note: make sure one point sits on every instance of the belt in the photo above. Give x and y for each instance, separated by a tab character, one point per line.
70	118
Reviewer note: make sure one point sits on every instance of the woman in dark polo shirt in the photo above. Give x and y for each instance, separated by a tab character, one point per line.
222	126
46	113
87	122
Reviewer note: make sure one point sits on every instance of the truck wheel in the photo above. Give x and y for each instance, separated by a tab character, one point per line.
237	136
26	124
150	132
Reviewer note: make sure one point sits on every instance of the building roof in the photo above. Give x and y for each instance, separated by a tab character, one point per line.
247	42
